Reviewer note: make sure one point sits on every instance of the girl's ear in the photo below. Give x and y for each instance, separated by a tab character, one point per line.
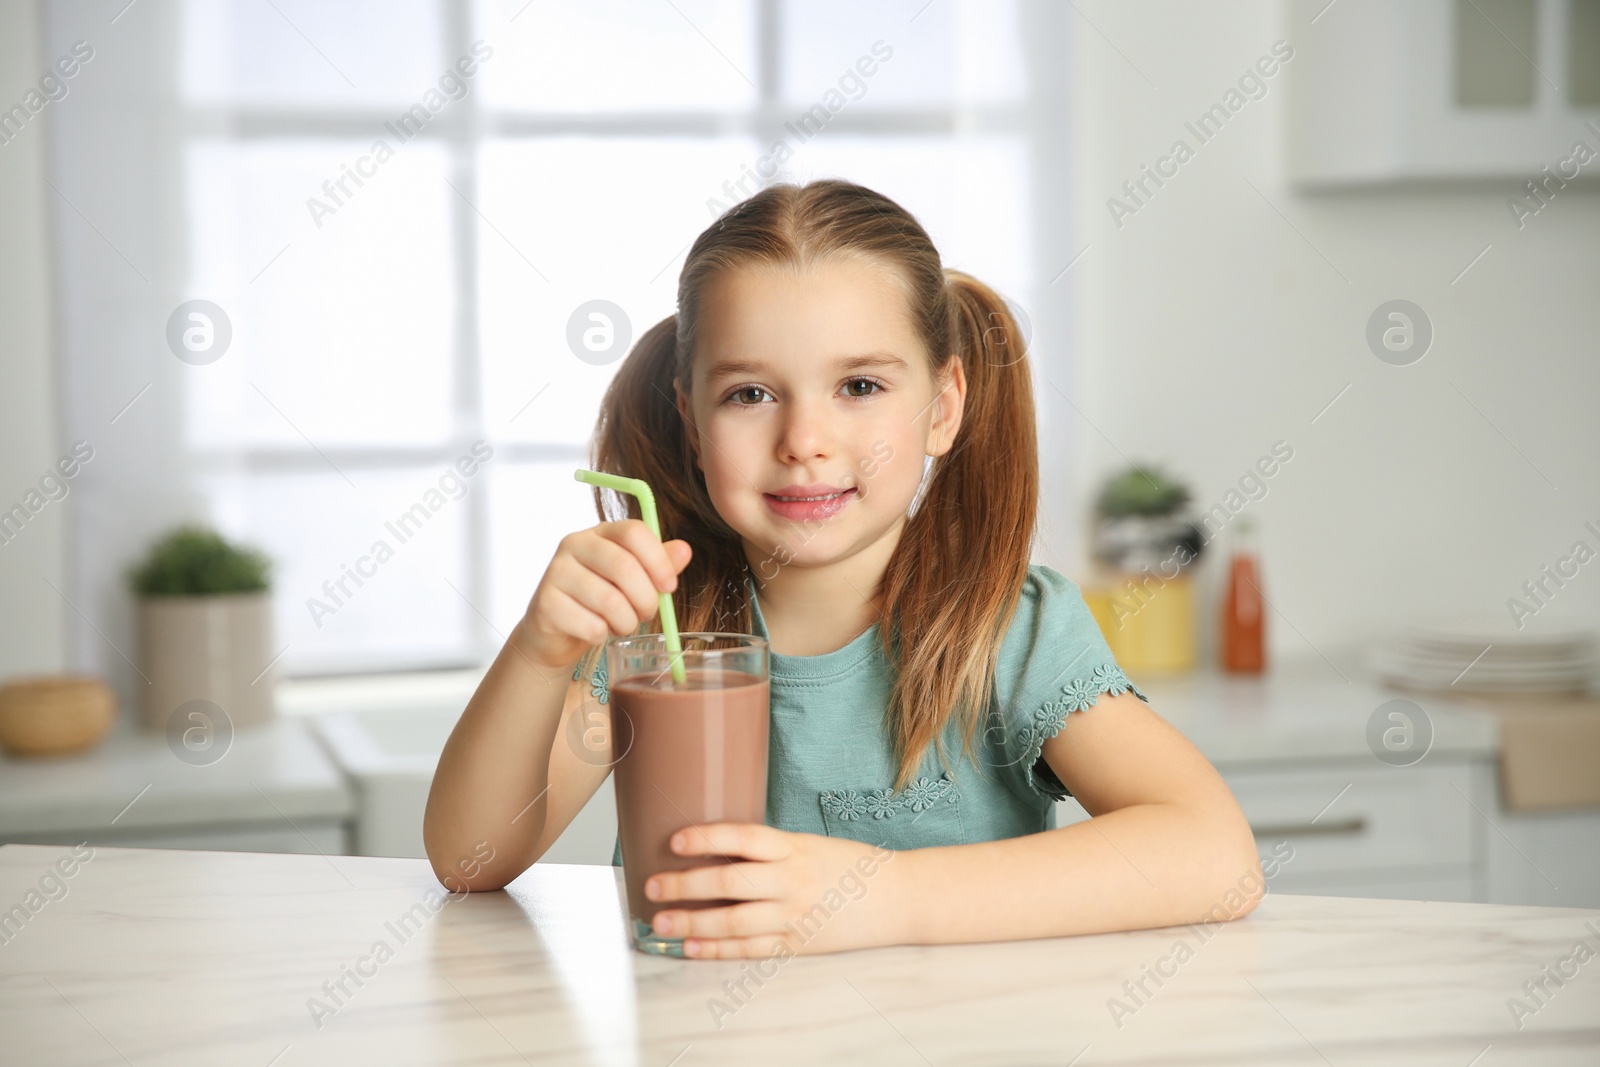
948	411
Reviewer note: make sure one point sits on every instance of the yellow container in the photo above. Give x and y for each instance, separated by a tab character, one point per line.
1148	622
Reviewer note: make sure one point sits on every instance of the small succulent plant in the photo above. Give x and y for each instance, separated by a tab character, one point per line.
1140	521
1144	491
197	561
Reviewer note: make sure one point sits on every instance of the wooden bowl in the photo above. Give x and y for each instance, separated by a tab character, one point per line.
50	715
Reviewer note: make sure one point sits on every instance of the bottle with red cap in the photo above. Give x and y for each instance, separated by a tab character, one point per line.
1243	622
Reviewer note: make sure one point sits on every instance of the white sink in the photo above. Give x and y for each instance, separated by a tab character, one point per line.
390	755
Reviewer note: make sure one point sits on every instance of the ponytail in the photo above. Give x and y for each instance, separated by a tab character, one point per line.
958	571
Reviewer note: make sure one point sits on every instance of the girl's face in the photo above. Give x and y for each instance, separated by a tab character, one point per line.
814	379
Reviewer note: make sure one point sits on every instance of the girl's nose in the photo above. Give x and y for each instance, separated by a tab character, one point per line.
806	432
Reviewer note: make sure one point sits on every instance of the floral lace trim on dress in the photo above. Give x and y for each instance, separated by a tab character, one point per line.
919	796
599	688
1077	695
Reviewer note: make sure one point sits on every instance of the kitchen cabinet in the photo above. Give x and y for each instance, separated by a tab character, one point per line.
1294	747
1432	90
1342	828
1546	857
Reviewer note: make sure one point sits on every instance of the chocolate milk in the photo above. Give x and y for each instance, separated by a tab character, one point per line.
691	754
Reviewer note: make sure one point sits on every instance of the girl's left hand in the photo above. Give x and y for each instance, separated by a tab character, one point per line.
802	892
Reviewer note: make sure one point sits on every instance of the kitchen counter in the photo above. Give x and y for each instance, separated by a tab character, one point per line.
1308	710
272	782
177	957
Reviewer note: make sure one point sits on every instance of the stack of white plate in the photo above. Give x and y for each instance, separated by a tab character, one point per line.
1462	656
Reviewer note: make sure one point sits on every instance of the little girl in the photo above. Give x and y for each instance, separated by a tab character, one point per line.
821	350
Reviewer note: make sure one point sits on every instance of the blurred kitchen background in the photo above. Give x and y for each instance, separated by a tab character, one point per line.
1309	290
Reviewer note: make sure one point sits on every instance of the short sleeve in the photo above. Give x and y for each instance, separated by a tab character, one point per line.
597	680
1053	661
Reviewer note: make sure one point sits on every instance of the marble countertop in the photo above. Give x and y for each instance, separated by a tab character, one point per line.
175	957
1308	711
135	779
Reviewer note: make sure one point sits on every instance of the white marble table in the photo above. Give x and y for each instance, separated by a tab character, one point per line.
177	957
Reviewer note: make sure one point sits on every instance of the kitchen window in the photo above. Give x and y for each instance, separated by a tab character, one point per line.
391	312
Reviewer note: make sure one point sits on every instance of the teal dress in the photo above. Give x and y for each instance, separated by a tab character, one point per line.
831	765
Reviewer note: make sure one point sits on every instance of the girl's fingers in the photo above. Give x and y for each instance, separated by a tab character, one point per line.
723	881
600	595
634	537
575	619
617	568
752	841
737	920
760	946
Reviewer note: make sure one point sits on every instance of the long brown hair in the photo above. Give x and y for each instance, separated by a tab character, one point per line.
953	580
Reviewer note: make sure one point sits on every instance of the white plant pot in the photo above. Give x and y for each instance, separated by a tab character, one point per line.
211	648
1132	542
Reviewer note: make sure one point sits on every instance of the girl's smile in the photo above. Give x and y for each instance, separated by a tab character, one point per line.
811	506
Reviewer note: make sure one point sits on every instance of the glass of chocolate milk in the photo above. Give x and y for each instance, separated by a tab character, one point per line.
684	753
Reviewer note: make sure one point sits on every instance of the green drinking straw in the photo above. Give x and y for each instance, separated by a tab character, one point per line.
637	489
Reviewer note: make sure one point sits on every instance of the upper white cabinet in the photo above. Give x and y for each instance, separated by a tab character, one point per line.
1408	90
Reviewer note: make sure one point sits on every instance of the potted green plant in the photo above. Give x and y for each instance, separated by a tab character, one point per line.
1146	542
205	626
1140	522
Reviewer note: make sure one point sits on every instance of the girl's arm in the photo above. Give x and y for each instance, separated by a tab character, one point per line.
503	792
505	786
1166	844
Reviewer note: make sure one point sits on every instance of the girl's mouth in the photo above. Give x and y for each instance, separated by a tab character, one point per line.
800	509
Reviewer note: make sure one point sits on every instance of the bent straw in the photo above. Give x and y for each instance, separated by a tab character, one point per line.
637	489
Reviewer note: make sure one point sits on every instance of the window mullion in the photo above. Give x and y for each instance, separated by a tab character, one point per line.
465	138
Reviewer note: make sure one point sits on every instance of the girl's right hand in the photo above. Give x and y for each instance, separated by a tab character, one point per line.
603	582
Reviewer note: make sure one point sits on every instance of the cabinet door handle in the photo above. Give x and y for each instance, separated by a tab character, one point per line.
1305	829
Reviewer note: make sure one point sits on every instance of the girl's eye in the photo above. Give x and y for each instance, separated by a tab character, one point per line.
739	396
744	390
